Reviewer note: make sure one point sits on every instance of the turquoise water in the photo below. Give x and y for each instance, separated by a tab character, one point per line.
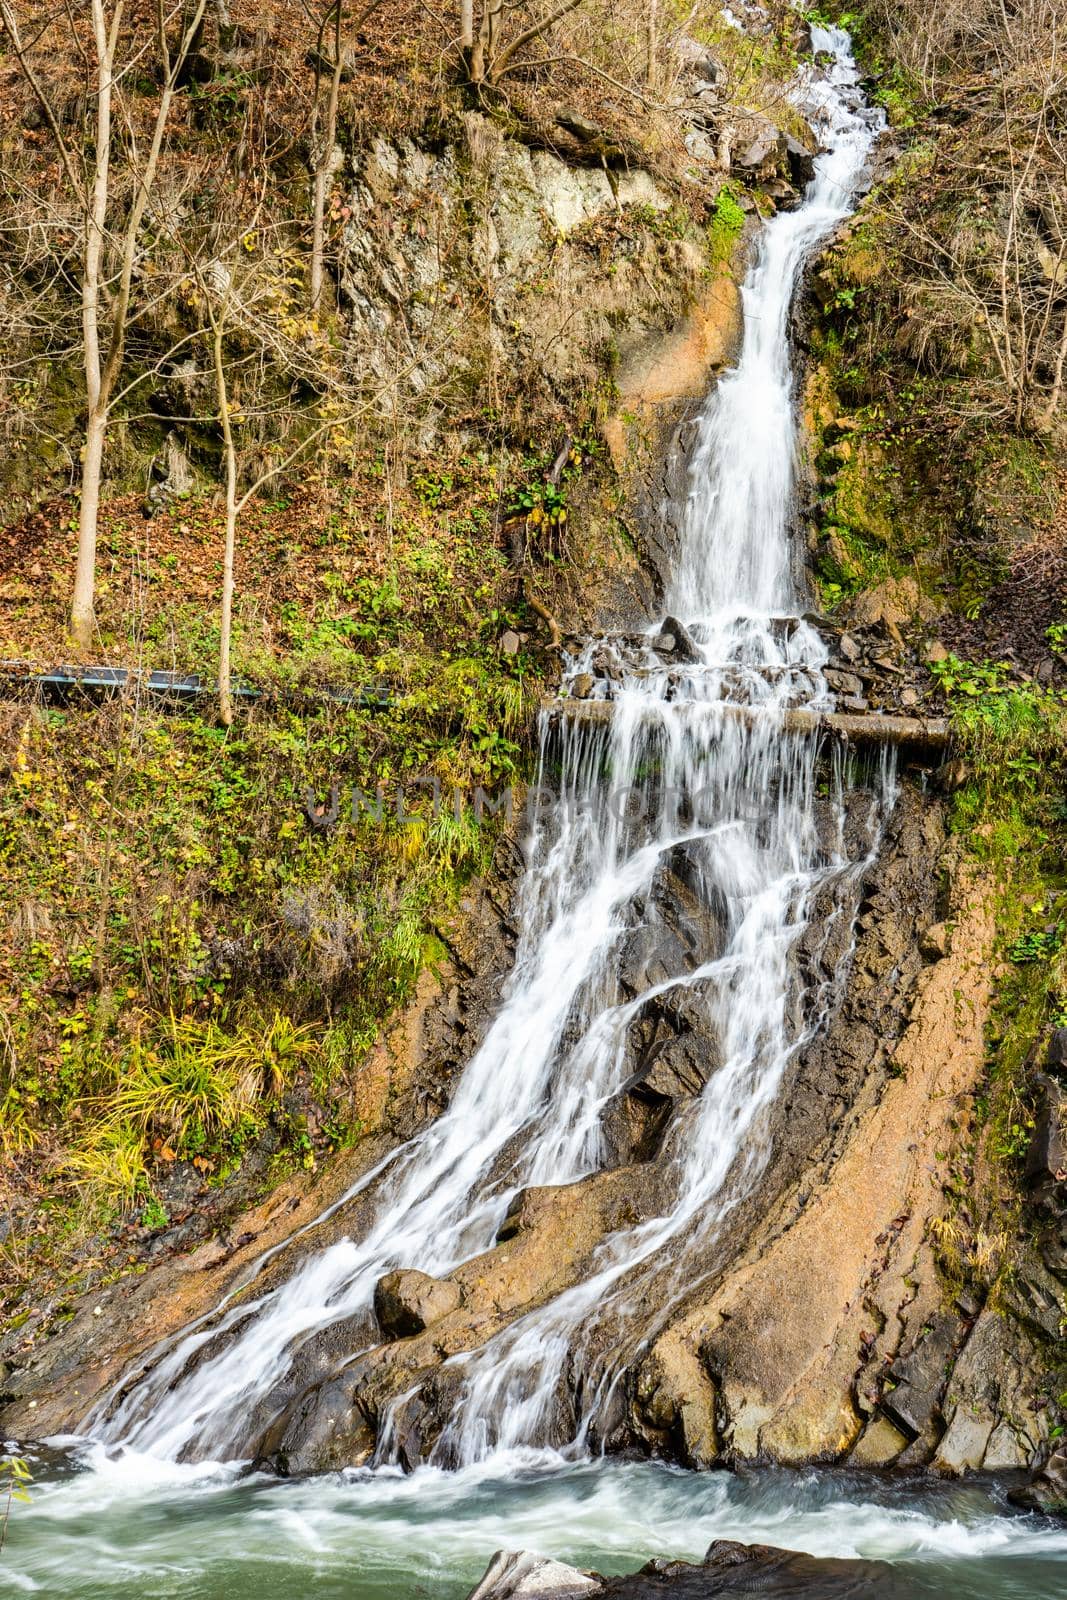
101	1530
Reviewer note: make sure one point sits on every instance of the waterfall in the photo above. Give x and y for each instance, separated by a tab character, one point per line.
736	799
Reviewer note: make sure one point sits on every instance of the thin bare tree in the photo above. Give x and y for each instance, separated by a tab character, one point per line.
110	223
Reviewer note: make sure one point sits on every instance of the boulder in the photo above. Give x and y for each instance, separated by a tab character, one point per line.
762	153
511	1575
843	682
682	646
801	162
408	1302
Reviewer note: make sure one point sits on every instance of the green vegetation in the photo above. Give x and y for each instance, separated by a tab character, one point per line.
726	223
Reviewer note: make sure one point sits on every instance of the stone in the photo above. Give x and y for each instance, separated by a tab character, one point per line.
936	651
801	161
1006	1451
849	648
909	698
952	775
879	1445
408	1302
685	646
761	152
919	1377
582	685
512	1575
510	643
856	703
1047	1489
581	127
895	602
844	682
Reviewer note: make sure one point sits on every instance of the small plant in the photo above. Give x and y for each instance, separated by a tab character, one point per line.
15	1478
954	676
1037	944
154	1214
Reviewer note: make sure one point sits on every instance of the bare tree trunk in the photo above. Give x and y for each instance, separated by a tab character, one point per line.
466	27
325	166
651	43
229	546
81	611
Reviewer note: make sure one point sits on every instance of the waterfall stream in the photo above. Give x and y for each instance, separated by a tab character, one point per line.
678	784
736	801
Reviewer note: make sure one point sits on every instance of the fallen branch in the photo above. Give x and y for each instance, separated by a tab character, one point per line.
917	733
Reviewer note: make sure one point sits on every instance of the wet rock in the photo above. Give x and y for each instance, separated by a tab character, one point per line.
849	648
1047	1489
323	1430
582	685
729	1568
512	1575
674	1402
407	1302
855	703
510	643
683	646
909	698
951	776
746	1569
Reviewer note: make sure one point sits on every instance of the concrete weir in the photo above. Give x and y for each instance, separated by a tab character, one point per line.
919	736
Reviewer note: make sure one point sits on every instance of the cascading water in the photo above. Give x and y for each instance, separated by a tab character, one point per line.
732	793
700	773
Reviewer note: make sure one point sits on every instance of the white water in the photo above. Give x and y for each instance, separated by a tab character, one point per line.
527	1108
131	1529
